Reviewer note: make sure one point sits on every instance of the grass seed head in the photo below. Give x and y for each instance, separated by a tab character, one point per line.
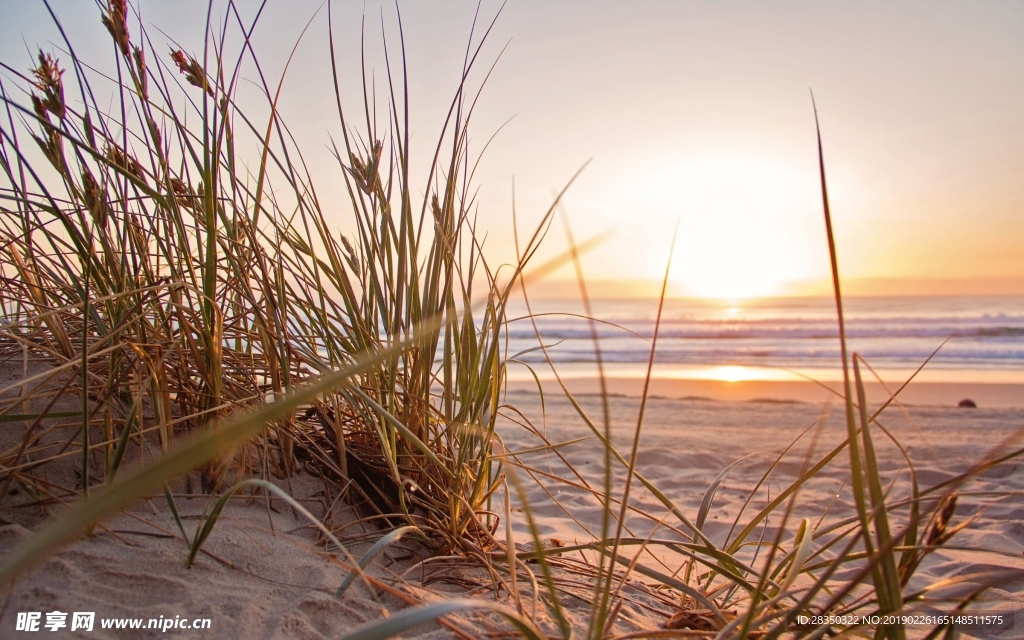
140	68
115	19
941	532
182	193
192	70
358	171
40	109
129	164
154	132
435	208
348	246
95	198
48	80
366	173
375	161
52	147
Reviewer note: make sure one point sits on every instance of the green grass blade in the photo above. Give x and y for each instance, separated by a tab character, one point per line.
174	514
709	495
803	541
408	618
206	526
368	557
887	582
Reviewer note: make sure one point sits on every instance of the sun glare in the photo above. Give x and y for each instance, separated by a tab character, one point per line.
744	223
733	373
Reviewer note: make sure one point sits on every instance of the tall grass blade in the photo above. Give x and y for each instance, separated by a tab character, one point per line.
887	583
408	618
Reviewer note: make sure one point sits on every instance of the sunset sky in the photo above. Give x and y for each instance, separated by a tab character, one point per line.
691	111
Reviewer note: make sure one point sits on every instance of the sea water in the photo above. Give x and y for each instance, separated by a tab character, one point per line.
966	338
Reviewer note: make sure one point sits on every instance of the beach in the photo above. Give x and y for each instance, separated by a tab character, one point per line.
719	441
685	443
289	349
997	395
266	574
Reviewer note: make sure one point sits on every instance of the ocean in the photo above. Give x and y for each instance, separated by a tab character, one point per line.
974	339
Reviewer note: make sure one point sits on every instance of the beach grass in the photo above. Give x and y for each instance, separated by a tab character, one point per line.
208	318
183	288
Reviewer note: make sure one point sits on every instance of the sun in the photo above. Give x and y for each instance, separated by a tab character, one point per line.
744	224
734	256
732	373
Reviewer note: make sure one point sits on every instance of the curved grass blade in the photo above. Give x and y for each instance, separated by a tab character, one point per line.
367	558
800	554
709	495
408	618
174	514
211	521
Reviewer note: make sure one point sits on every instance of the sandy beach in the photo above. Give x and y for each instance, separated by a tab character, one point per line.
934	394
686	443
264	573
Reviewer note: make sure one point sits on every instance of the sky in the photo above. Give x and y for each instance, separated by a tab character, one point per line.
696	114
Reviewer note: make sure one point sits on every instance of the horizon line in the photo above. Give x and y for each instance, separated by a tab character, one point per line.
862	287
